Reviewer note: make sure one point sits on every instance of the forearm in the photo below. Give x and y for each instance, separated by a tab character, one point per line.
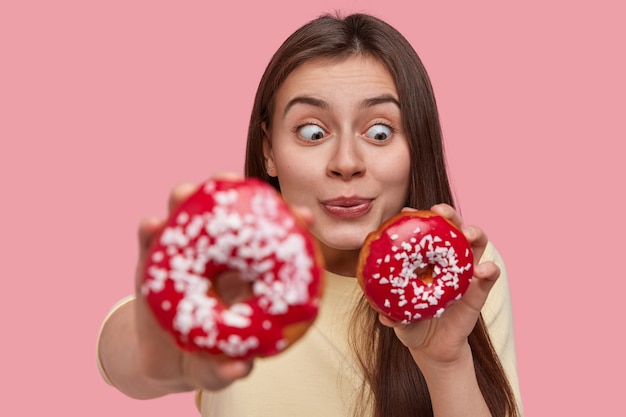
118	351
453	387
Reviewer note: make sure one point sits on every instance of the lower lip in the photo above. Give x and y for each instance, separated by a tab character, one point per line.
349	212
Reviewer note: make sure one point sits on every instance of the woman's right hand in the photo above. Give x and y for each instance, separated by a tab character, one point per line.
160	360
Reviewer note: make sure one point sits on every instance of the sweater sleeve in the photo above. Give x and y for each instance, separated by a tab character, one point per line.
498	316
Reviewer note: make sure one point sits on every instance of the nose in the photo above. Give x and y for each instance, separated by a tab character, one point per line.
347	160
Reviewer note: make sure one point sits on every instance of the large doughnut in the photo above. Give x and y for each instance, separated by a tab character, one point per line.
414	266
242	226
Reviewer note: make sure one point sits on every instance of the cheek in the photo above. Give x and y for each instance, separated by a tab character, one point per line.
394	174
294	167
395	170
296	174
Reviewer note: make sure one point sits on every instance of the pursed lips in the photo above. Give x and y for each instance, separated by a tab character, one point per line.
347	207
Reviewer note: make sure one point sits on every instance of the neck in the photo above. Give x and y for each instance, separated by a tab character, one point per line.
340	262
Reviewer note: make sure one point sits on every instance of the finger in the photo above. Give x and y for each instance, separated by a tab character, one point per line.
485	276
463	315
226	175
231	370
179	194
213	373
149	227
448	212
478	239
475	235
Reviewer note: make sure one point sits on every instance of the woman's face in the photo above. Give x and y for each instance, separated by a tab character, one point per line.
337	146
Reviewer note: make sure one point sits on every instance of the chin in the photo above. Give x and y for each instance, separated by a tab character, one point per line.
342	241
345	235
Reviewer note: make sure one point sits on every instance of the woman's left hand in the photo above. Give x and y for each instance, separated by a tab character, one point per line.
444	339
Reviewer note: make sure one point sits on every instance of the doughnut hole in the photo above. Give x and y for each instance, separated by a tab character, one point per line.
426	274
231	288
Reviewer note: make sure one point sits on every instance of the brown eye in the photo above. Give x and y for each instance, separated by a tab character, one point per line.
378	132
312	132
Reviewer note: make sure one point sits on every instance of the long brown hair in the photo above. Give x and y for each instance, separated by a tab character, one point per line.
393	384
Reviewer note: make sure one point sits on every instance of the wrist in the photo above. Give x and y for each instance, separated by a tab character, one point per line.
452	377
443	361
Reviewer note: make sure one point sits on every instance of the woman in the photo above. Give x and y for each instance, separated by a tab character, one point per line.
345	126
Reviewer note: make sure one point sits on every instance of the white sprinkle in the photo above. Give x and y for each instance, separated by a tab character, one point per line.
394	236
182	218
180	263
226	198
236	346
209	187
194	227
174	236
238	315
281	344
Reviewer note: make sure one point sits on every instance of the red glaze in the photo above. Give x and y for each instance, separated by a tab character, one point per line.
414	266
243	226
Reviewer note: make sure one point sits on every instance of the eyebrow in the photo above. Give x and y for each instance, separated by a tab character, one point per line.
374	101
315	102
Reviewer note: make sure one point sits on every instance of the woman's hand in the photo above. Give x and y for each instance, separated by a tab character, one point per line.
444	340
159	358
143	360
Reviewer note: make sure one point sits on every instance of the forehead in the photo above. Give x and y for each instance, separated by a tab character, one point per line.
326	76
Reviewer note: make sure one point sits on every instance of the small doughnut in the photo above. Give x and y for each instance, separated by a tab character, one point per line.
240	226
414	266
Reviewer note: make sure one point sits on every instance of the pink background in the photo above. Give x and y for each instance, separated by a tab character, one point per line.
105	105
